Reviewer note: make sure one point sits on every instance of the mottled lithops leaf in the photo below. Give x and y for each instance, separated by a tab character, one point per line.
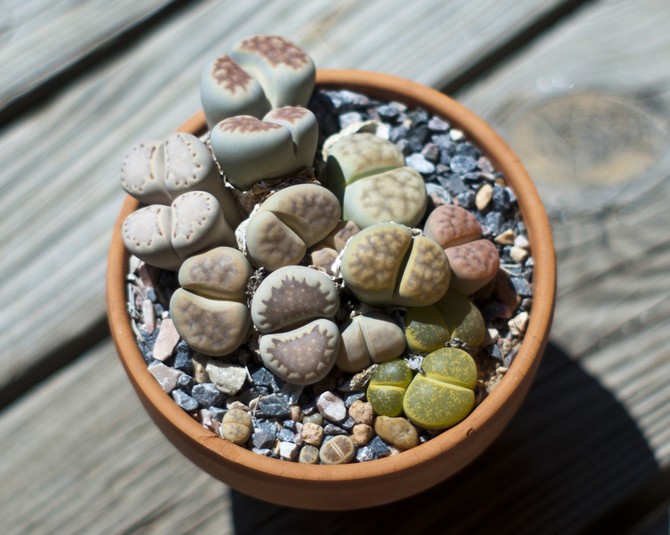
285	72
146	234
397	195
226	89
360	155
236	426
304	131
387	387
292	295
271	244
324	258
372	259
462	318
143	173
250	150
367	339
304	355
444	394
426	329
451	225
310	210
426	275
473	265
221	273
210	326
198	224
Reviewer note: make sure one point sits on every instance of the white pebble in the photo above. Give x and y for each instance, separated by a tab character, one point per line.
288	451
167	339
518	254
331	407
521	241
229	378
518	324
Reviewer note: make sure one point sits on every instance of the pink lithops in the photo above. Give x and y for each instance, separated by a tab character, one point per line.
450	225
220	273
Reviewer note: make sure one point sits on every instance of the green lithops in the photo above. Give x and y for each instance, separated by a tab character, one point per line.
288	222
210	311
387	387
453	316
367	339
368	173
443	394
260	73
386	264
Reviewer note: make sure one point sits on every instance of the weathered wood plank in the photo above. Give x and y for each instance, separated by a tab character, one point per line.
82	456
59	188
41	38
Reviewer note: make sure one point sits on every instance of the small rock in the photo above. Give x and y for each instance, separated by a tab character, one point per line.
521	241
483	197
506	237
166	376
398	432
186	383
331	407
312	433
332	430
362	434
207	394
309	455
437	124
456	134
286	435
274	405
288	451
264	434
185	401
365	453
199	363
361	412
518	324
338	450
148	315
518	254
380	447
167	340
228	378
431	152
522	286
315	418
296	413
420	163
463	164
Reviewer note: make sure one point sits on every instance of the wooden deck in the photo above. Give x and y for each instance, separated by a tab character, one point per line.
580	89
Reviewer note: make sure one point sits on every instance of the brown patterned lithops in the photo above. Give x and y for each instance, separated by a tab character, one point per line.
385	264
210	311
293	295
304	355
288	222
368	174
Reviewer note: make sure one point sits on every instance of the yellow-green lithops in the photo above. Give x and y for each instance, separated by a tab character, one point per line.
386	264
387	387
425	329
443	394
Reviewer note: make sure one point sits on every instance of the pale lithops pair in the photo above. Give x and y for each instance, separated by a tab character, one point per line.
288	222
293	307
261	73
474	262
369	175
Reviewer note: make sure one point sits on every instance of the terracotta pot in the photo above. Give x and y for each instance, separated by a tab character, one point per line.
385	480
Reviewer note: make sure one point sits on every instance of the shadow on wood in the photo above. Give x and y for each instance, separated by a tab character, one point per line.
569	455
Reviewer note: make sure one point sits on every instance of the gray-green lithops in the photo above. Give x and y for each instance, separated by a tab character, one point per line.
367	339
292	295
443	394
367	172
304	355
249	149
261	73
215	320
290	221
387	387
165	236
386	264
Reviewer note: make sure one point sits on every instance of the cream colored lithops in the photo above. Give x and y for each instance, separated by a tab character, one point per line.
367	339
236	426
143	173
386	264
220	273
293	295
367	172
304	355
288	222
262	72
165	236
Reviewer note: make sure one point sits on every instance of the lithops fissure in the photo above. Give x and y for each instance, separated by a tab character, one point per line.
304	355
210	311
387	265
249	149
260	73
288	222
368	174
292	295
474	262
165	236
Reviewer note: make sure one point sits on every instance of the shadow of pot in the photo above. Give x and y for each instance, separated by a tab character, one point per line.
381	481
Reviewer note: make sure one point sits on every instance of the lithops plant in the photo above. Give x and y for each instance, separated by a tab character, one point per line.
368	173
164	236
387	388
280	144
288	222
368	339
261	73
474	262
454	316
387	264
210	311
443	394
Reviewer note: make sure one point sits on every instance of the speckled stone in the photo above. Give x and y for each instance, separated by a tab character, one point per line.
338	450
166	376
362	434
397	431
207	394
185	401
331	407
361	412
312	433
309	455
228	378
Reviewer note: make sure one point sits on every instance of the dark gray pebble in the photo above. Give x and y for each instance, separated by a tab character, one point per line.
388	111
332	430
248	395
495	353
185	382
347	100
431	152
274	405
207	394
522	286
263	377
380	447
494	222
366	453
351	397
183	359
437	124
466	199
286	435
185	401
217	413
463	164
500	199
467	149
264	435
453	183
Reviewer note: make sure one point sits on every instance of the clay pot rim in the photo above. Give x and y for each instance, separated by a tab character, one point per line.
161	406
